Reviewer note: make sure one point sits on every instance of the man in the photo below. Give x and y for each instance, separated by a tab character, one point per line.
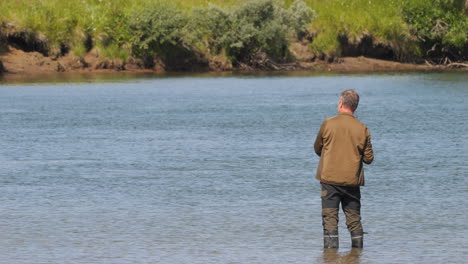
343	144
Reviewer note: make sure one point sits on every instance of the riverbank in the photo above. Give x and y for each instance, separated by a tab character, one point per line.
246	35
20	62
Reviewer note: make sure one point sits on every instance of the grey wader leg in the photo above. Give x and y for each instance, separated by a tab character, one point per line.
357	239
330	239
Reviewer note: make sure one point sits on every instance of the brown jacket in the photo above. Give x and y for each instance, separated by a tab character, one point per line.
343	144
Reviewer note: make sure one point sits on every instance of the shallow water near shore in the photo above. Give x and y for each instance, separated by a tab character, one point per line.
220	169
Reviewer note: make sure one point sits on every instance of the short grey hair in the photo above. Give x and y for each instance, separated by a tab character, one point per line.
350	98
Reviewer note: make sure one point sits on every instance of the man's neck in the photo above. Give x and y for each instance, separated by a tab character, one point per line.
346	112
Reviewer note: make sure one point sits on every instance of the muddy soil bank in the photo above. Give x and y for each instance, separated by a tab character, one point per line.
14	60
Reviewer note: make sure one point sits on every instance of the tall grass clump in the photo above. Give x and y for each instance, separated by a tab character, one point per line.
108	27
63	26
355	19
50	22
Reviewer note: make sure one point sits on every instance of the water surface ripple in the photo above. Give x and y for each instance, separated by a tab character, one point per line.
221	170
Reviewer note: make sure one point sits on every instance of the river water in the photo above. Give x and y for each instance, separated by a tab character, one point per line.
221	169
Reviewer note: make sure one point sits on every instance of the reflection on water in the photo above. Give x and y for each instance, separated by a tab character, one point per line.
333	256
96	77
73	77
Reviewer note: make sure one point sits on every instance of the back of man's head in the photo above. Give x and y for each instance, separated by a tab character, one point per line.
350	99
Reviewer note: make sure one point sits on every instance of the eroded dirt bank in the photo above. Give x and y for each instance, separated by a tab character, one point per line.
16	61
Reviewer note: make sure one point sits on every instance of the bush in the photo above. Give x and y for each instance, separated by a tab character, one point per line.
299	17
210	26
257	25
159	31
156	28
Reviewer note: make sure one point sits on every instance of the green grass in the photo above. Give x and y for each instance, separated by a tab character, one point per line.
69	22
380	19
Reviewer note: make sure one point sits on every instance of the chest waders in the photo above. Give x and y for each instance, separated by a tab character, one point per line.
349	197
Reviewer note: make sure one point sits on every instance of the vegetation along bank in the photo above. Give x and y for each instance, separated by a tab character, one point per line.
225	35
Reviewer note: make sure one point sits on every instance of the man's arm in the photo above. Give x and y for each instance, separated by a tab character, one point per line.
318	145
368	153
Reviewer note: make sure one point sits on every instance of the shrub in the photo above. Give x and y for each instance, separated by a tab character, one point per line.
210	26
156	28
257	25
299	17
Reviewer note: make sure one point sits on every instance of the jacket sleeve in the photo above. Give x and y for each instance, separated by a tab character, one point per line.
368	153
318	145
